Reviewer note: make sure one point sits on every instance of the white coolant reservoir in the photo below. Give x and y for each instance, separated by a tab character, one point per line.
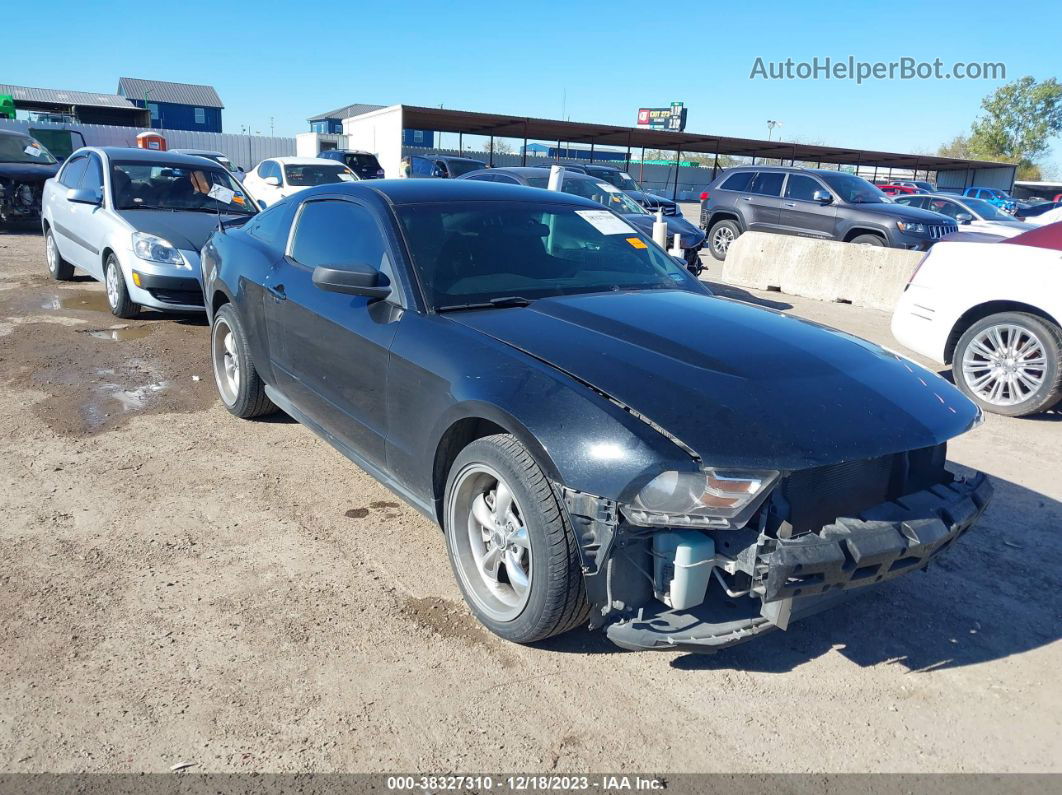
682	565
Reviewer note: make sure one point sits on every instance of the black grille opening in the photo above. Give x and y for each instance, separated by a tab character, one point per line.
818	496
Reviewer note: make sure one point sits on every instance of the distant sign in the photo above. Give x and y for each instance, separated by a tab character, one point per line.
672	118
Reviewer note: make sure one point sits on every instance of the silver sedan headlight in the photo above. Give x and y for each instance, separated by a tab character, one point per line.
710	498
156	249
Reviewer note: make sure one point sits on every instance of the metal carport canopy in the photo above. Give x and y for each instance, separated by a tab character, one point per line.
499	125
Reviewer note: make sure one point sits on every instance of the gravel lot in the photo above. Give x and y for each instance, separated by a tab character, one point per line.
180	586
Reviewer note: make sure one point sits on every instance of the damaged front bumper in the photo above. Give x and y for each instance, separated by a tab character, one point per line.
797	577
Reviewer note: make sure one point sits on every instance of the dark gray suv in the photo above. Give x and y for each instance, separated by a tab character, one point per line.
830	205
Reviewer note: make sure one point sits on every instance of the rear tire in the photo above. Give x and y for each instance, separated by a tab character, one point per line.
117	293
240	388
59	268
868	240
1010	364
720	236
512	550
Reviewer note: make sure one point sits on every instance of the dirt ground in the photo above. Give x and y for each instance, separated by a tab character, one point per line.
180	586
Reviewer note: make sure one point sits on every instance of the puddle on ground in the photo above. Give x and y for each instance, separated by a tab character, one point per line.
106	399
77	299
121	334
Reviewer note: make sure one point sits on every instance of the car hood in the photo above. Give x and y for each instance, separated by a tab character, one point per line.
740	385
29	171
643	198
896	210
185	230
676	225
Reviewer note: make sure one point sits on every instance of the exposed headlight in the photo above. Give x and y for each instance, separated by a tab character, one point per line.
909	228
711	498
155	249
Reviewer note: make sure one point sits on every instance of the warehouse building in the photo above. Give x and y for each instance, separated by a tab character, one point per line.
175	106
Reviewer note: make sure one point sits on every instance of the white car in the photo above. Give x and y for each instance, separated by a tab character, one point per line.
1050	217
273	179
994	312
975	215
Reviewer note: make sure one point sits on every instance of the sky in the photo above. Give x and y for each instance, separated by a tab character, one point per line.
276	63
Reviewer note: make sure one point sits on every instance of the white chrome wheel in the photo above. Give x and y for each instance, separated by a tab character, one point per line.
1004	365
113	285
226	360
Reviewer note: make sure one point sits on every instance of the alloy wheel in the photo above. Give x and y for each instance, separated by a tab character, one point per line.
722	238
113	285
1004	365
490	542
226	360
52	253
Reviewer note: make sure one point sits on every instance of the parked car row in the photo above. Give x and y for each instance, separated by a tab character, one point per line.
602	441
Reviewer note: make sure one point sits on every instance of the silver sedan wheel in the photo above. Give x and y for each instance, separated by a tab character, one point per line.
489	542
113	285
226	359
722	238
1004	365
52	252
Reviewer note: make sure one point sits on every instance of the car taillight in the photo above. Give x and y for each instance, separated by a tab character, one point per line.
704	196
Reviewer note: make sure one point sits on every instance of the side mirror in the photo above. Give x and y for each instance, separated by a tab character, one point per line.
352	280
274	181
92	196
963	218
261	204
822	197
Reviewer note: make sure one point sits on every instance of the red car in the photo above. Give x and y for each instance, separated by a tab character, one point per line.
894	189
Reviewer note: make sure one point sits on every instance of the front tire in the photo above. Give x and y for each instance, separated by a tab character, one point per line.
511	548
868	240
720	236
1009	364
59	268
117	294
240	388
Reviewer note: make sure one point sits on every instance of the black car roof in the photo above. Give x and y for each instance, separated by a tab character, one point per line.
528	171
422	191
124	153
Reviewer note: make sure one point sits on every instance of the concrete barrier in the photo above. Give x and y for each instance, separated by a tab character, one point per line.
869	276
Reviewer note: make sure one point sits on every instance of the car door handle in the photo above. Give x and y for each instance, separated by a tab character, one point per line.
747	198
790	204
277	291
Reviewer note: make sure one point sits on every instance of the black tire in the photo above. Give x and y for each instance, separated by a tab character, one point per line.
117	293
868	240
557	599
693	261
246	397
1047	335
59	268
720	236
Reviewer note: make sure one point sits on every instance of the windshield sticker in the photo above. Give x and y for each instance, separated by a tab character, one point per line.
347	177
605	222
34	150
636	242
221	194
608	188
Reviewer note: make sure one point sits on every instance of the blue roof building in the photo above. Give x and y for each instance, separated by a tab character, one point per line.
175	106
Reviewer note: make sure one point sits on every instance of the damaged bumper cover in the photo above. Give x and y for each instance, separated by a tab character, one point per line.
795	578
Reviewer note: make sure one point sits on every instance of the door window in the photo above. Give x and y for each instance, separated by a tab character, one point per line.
335	234
768	183
73	171
271	226
800	187
268	169
93	178
739	181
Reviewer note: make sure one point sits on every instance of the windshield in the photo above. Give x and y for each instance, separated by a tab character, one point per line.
603	193
303	176
925	186
459	167
158	186
473	253
988	212
852	189
23	149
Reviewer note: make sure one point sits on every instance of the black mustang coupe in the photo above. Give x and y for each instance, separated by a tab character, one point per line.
603	442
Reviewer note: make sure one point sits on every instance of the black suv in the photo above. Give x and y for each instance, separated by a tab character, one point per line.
364	164
830	205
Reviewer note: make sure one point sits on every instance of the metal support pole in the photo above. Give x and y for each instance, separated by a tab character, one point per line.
460	143
641	166
674	190
627	163
591	151
492	150
523	160
715	165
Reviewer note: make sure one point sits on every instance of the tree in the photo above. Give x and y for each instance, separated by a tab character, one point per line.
500	147
959	146
1018	121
